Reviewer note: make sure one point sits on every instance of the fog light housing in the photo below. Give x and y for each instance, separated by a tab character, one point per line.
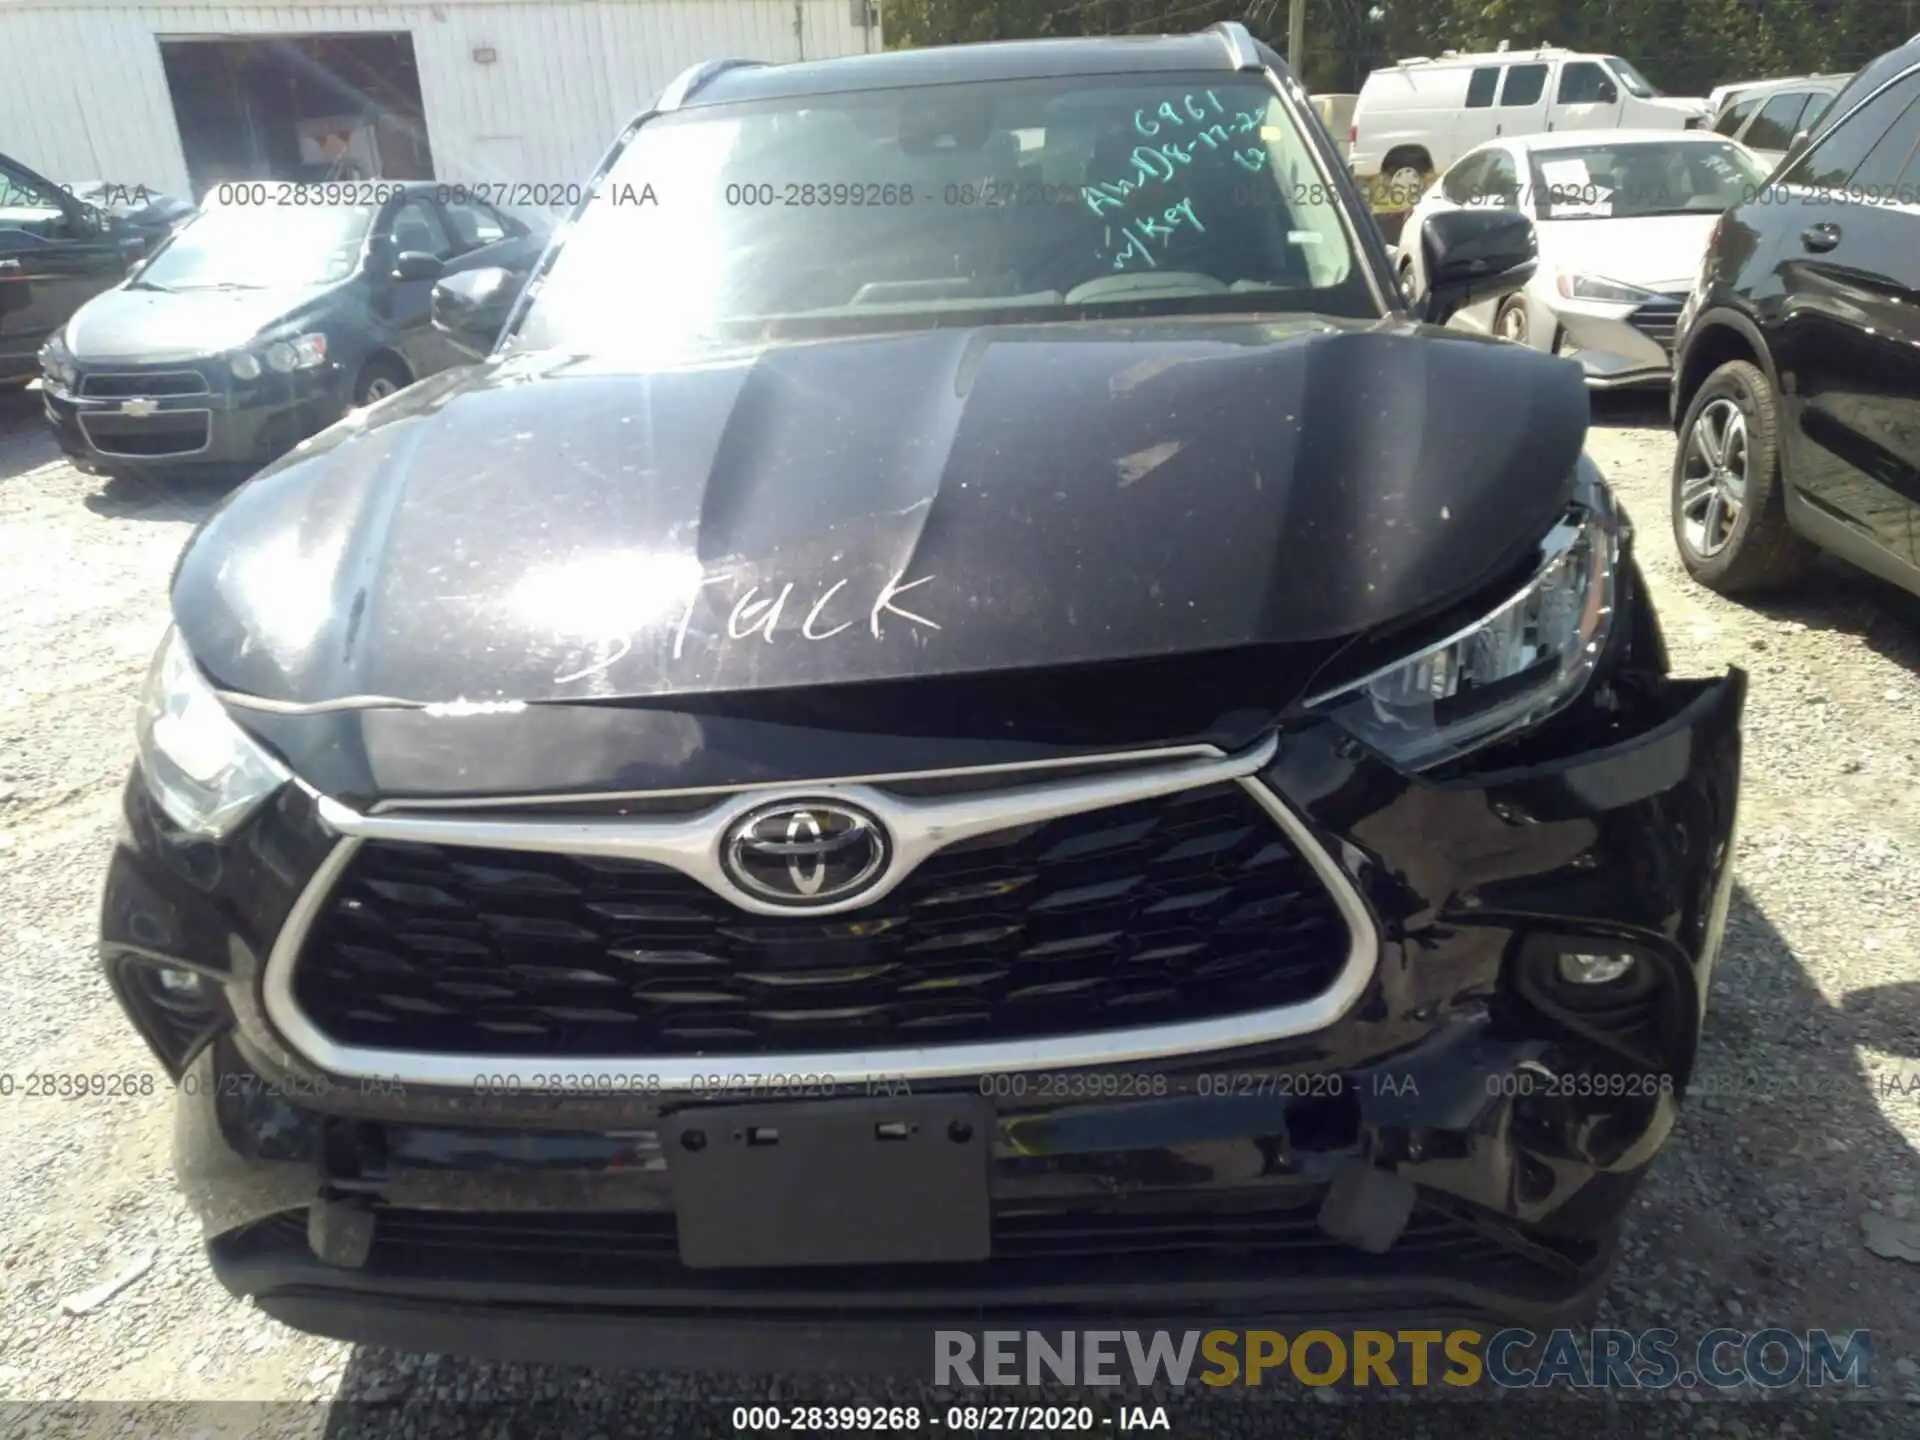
1626	994
1594	967
183	983
176	1010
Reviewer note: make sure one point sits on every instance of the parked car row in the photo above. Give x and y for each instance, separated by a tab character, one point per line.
1778	301
248	327
1414	119
1622	218
1796	388
1770	116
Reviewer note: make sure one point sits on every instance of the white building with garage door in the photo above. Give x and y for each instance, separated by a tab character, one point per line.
523	92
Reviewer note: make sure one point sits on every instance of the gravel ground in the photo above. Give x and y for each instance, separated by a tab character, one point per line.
1761	1211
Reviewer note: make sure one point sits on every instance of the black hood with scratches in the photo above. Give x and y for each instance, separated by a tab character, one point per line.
884	508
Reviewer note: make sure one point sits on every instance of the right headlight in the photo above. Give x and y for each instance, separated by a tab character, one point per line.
1506	671
1598	287
201	767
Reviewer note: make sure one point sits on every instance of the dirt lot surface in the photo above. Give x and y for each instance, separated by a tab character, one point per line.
1788	1197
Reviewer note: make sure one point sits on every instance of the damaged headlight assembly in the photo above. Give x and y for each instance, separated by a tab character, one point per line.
201	768
1505	672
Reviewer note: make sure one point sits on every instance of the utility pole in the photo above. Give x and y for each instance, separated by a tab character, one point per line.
1297	38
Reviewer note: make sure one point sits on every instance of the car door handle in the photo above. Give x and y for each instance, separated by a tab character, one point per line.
1821	237
9	264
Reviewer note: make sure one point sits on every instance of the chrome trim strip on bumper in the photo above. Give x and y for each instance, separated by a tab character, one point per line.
1117	759
954	818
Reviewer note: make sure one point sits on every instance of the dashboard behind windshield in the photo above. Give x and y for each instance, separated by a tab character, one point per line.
933	204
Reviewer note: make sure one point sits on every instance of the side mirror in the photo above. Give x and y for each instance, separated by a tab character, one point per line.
1609	92
1797	146
1473	255
470	307
417	265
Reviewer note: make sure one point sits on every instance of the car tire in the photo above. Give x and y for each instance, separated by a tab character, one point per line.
1733	416
1512	316
379	378
1405	172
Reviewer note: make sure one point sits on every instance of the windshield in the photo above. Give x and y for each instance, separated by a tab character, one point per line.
933	205
256	247
1612	182
1631	80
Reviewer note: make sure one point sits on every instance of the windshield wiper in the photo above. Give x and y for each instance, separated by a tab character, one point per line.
222	285
149	285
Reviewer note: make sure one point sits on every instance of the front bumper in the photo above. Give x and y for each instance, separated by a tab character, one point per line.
228	425
1460	1143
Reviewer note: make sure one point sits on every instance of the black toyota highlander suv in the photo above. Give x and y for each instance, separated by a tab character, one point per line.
968	721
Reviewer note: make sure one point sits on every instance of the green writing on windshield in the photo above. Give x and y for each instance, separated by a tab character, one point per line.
1144	207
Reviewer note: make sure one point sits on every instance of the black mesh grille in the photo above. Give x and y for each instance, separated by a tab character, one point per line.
1171	909
124	385
1657	320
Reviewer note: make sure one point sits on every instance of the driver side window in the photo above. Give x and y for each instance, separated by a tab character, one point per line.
1462	183
27	205
1500	184
1582	83
416	227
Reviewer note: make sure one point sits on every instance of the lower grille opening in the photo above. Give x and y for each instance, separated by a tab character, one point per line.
1184	907
167	432
1060	1242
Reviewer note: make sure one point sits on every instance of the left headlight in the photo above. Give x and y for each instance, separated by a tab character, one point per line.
201	767
56	361
1597	287
1506	671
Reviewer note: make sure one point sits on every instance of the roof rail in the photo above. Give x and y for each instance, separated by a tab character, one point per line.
682	87
1241	49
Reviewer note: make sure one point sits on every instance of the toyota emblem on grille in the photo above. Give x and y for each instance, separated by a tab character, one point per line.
804	853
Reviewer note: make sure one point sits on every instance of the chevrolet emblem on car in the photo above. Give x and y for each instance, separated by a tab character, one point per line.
140	407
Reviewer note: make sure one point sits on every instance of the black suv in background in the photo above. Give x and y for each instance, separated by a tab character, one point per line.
58	250
266	318
1797	389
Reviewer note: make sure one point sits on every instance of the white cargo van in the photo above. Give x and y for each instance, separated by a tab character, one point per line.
1417	117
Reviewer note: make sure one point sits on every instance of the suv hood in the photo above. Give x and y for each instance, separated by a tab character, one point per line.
881	508
160	325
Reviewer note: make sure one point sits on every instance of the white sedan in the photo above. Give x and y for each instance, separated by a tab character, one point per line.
1623	218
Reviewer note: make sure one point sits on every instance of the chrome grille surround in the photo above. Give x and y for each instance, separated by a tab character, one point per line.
920	827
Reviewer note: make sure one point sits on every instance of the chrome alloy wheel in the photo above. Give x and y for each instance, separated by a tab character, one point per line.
1713	479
